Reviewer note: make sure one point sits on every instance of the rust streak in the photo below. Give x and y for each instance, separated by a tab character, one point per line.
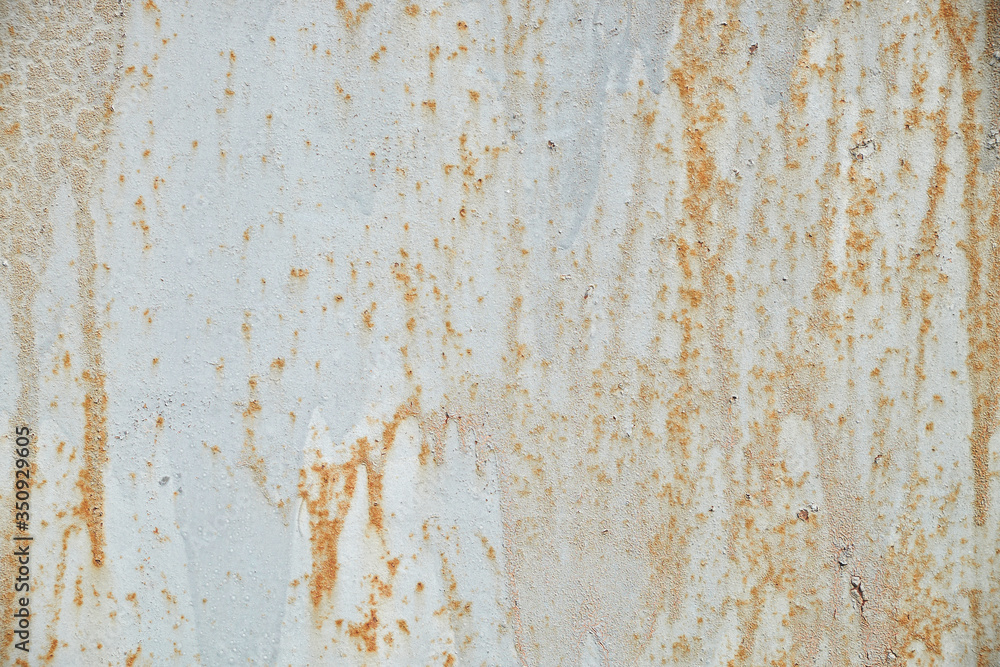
984	276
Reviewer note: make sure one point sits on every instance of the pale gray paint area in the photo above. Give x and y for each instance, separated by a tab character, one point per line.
580	333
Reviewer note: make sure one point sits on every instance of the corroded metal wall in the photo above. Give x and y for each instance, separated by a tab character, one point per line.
502	333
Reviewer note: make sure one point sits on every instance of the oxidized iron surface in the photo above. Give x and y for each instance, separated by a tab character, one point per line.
503	333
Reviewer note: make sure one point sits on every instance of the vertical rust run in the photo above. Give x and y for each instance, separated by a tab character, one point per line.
58	96
95	438
988	332
984	265
60	76
81	165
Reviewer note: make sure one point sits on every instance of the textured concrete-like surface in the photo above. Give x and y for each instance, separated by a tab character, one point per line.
503	333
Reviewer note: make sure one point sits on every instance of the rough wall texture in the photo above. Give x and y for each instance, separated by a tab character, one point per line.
492	333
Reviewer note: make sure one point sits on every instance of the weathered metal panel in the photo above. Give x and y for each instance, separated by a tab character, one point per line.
495	333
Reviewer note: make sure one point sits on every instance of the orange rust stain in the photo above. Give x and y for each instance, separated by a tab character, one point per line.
51	653
329	500
366	316
326	526
91	481
412	10
78	592
365	632
130	658
430	104
299	273
352	19
249	457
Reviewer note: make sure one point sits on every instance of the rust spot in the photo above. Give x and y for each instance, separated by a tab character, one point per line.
249	456
365	632
352	19
367	314
51	653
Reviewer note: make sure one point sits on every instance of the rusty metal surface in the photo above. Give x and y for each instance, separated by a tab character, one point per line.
560	333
